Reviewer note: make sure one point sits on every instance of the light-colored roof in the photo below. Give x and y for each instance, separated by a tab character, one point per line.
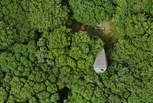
100	64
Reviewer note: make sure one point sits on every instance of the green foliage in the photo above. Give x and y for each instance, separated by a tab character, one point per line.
134	69
8	35
3	95
14	14
28	79
91	12
132	17
43	61
46	14
58	39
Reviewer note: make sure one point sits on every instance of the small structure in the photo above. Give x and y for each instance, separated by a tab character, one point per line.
100	64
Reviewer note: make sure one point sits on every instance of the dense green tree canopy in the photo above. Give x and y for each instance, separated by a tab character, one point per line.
91	11
42	60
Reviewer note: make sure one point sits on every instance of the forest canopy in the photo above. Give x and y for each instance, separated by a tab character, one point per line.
44	60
